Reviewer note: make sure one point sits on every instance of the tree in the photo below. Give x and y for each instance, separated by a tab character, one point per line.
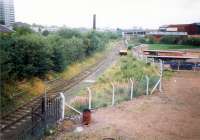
31	56
22	30
45	33
68	33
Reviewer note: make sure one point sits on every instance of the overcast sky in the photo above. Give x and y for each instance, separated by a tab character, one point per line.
110	13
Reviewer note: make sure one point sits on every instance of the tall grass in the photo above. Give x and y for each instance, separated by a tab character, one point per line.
119	74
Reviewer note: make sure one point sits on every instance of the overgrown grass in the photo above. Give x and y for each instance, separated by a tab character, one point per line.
171	47
167	74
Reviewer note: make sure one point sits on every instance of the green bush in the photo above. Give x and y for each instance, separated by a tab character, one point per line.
150	40
192	41
26	54
130	47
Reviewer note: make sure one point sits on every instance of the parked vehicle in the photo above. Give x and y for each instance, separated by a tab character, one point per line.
123	52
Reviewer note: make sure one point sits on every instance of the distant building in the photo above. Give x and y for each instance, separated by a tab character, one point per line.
131	33
190	29
4	29
178	30
7	15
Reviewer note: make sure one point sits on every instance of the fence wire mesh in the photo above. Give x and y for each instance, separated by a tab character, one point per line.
102	95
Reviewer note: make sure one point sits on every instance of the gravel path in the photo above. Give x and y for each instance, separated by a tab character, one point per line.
173	115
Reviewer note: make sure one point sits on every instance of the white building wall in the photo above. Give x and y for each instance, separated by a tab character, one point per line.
7	12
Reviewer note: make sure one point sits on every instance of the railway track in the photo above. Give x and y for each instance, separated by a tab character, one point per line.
12	120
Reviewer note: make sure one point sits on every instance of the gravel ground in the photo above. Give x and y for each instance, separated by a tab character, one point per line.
172	115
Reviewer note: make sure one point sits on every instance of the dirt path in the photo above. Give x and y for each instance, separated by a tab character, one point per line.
173	115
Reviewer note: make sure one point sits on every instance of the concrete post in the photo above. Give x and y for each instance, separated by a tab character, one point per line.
90	98
131	88
161	74
147	86
62	106
113	94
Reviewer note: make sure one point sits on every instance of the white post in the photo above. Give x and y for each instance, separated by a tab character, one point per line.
90	97
195	66
161	74
153	61
146	60
131	88
178	65
147	87
113	94
62	106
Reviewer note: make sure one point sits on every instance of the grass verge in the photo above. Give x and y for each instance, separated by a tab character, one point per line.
171	47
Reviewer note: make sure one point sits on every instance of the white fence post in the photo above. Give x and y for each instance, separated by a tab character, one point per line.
62	106
146	59
153	61
131	88
113	94
90	97
161	74
147	86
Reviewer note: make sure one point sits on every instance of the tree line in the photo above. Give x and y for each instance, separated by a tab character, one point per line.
178	40
25	53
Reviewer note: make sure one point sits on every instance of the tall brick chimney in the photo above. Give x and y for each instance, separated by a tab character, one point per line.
94	22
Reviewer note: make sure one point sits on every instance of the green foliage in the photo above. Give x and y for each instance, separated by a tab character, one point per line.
31	56
142	40
192	41
177	40
170	46
68	33
130	47
45	32
26	54
130	67
169	40
150	40
22	30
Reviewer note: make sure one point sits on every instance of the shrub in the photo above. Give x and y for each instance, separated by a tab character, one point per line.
192	41
169	40
130	47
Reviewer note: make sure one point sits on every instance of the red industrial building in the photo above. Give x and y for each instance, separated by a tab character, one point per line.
190	29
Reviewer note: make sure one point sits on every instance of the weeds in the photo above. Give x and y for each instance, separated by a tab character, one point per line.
119	74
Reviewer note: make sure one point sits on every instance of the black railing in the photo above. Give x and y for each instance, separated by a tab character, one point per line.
42	117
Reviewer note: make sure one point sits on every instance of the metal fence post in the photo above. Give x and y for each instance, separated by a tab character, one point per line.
113	94
90	97
147	86
195	66
178	65
131	88
146	59
62	106
153	61
161	74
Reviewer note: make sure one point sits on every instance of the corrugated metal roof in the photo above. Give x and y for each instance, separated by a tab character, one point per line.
4	29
